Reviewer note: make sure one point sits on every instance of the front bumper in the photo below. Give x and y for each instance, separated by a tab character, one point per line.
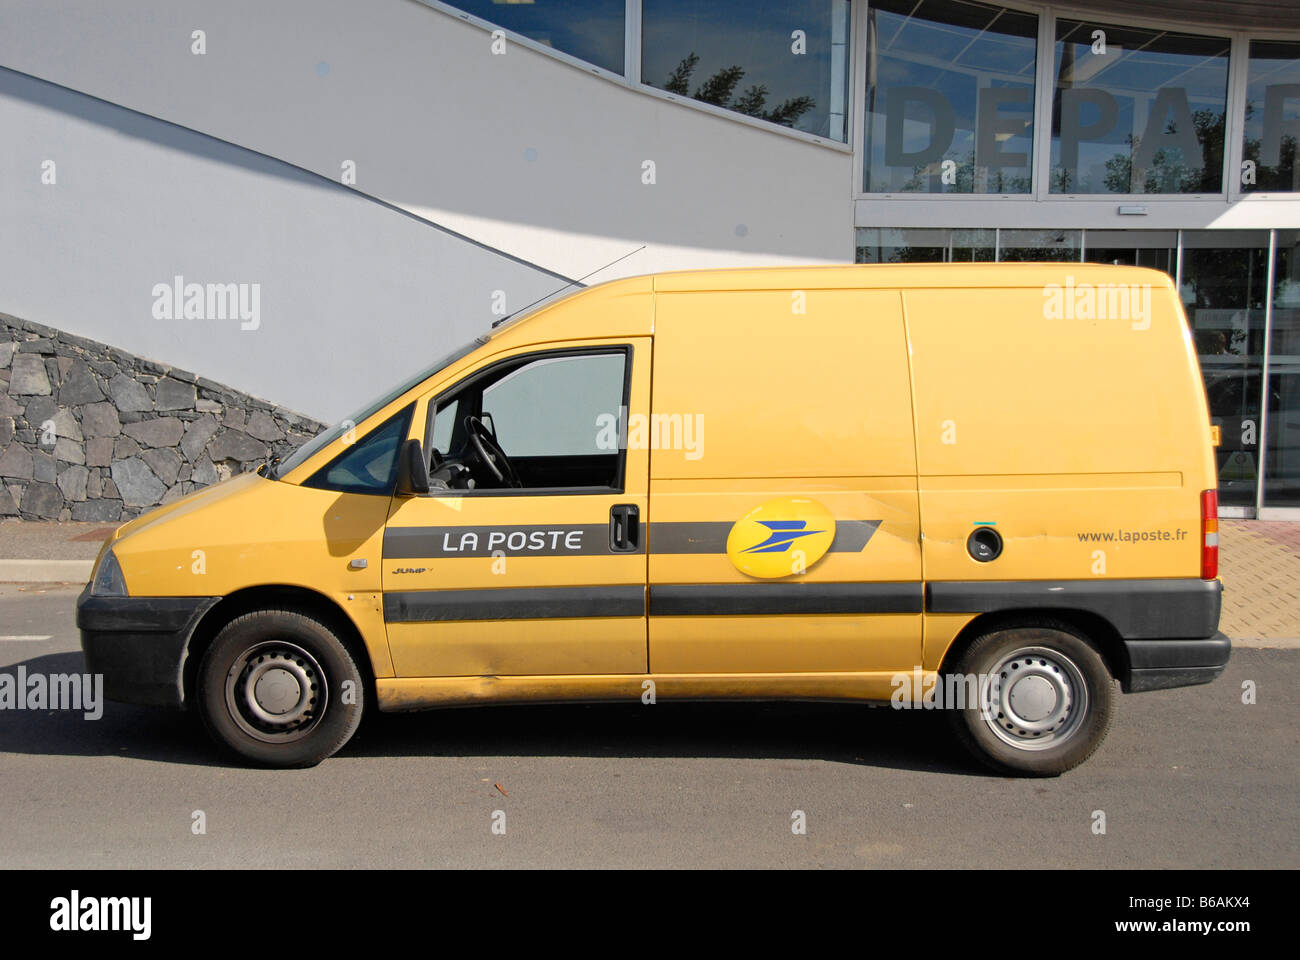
139	644
1160	664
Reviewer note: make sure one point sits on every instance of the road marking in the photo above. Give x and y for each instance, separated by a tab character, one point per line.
32	636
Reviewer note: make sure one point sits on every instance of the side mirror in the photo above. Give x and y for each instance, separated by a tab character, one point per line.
412	472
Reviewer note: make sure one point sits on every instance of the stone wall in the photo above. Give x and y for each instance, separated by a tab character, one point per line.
88	432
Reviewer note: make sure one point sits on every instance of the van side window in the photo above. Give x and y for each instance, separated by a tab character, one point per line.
370	466
556	417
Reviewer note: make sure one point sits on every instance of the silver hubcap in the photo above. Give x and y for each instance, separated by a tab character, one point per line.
276	691
1034	698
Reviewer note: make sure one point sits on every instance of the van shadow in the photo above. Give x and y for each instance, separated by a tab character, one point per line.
831	732
122	730
845	733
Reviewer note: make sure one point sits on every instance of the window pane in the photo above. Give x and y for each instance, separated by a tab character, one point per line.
1272	116
1282	467
590	30
1137	111
782	62
950	97
1225	274
1133	248
923	245
371	465
555	407
1051	245
886	245
972	246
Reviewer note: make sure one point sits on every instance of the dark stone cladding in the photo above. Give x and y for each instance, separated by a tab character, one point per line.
89	432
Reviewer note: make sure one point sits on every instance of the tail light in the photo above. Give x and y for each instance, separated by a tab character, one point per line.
1209	534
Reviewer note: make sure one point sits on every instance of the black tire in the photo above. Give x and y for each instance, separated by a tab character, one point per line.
1068	683
279	688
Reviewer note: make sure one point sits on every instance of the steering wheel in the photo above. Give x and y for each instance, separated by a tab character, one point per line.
489	453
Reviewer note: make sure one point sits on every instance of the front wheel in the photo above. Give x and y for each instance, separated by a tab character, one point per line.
280	689
1044	699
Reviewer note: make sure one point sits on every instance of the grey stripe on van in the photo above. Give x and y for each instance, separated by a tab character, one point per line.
518	603
851	536
758	599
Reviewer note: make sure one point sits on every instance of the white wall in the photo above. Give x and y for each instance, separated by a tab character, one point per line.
353	295
437	124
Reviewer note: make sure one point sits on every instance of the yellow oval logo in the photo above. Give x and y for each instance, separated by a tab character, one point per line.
781	538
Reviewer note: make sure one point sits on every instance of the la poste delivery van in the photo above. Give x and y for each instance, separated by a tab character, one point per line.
986	488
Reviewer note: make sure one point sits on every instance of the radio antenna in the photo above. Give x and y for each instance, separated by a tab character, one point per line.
509	316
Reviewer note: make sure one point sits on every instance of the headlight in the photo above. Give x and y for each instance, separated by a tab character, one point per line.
108	581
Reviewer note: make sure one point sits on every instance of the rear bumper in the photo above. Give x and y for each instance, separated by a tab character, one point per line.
1161	664
139	644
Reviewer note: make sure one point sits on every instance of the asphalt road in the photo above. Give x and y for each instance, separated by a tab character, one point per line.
1187	778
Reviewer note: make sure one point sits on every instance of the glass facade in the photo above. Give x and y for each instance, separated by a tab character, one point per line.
1157	249
950	97
1282	431
1040	245
925	245
1224	287
590	30
1137	111
1272	109
784	62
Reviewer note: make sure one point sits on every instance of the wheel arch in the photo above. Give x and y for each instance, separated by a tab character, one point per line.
270	597
1092	626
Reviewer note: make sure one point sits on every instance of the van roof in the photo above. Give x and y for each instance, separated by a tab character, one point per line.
551	320
875	275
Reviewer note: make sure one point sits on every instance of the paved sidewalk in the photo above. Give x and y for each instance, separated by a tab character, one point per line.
32	552
1259	563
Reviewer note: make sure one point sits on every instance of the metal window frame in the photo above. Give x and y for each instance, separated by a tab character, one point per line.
629	80
1263	371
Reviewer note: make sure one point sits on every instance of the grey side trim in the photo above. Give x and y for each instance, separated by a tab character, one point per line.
1137	609
766	599
520	603
535	540
710	536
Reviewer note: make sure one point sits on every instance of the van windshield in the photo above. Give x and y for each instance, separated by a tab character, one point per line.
305	452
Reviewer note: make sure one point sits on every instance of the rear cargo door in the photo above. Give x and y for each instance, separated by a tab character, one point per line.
782	484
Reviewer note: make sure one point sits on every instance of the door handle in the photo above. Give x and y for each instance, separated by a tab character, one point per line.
624	527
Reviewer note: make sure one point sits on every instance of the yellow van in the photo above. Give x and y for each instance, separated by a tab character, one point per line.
983	488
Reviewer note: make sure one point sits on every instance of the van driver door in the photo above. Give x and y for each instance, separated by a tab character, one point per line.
528	557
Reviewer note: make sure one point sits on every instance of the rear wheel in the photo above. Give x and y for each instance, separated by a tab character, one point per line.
280	689
1045	699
